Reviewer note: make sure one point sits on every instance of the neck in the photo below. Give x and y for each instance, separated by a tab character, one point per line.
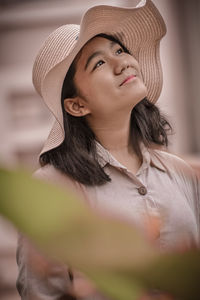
113	134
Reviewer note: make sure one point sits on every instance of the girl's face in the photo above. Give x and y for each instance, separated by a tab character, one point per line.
107	78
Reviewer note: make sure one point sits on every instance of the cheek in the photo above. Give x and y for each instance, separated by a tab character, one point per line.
99	98
100	87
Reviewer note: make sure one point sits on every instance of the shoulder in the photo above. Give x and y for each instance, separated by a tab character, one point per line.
53	175
174	164
183	175
170	156
46	172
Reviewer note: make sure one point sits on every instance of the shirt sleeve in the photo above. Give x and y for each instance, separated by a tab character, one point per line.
33	284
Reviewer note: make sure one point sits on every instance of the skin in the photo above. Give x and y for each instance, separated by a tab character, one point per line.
105	99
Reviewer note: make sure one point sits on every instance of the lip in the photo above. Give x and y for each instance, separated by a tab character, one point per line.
128	79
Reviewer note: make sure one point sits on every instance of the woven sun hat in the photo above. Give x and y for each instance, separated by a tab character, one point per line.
140	29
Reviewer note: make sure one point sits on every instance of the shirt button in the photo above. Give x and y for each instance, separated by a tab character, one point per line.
142	190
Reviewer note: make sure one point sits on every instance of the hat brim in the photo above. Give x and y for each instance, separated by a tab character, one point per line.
140	29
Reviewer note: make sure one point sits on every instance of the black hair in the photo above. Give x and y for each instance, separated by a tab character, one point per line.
77	156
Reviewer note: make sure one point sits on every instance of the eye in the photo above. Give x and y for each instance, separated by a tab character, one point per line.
98	64
119	51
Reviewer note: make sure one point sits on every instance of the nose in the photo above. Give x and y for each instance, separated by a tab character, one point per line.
120	65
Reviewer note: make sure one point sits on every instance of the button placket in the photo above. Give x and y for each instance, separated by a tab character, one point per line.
142	190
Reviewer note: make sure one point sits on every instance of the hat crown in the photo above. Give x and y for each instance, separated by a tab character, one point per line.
55	49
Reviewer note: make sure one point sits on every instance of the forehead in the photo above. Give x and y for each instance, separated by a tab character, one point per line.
95	44
97	41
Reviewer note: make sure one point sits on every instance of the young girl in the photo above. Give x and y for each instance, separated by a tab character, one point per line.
101	80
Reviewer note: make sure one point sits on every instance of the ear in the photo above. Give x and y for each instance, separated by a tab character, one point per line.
76	107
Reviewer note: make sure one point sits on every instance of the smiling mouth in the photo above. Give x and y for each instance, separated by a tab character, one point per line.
128	79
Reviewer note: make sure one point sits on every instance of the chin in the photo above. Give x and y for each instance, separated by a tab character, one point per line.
136	102
141	94
137	98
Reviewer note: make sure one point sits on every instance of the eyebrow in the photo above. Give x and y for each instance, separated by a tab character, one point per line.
97	53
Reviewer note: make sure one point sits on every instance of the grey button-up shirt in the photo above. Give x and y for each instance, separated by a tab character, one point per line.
164	186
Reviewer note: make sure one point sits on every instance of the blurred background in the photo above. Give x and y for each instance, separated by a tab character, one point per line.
24	119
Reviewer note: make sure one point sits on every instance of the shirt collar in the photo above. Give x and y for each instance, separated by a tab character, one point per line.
105	157
150	158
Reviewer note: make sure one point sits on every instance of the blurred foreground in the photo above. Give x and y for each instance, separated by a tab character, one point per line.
125	267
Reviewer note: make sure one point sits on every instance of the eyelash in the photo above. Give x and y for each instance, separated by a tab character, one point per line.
121	50
97	64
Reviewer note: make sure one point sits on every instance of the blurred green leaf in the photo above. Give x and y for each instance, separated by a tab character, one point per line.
59	222
117	286
111	252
